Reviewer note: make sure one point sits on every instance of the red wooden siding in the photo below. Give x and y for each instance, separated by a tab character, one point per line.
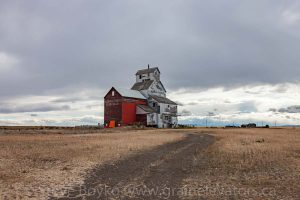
129	110
122	109
113	108
129	113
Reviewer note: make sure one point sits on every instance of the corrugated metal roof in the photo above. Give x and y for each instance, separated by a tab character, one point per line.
130	93
163	99
142	85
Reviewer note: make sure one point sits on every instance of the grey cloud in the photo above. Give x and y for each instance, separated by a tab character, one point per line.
179	103
102	43
187	104
211	114
227	102
93	120
282	88
67	99
97	105
186	112
290	109
84	120
247	107
192	104
7	109
80	96
252	92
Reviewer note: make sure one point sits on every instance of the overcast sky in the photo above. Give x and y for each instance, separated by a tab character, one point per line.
226	60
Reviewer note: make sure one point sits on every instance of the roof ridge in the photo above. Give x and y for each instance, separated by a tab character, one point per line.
147	70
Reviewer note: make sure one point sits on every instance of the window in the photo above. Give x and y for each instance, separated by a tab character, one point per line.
140	76
153	104
113	93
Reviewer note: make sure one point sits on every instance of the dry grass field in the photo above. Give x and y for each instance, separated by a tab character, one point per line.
240	164
33	165
248	164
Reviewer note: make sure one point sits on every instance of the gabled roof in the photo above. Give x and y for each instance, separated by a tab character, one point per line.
163	86
146	108
142	85
162	99
148	70
128	93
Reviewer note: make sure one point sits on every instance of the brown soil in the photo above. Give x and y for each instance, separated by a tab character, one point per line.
152	174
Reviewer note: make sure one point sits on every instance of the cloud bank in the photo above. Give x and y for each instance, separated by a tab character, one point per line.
64	50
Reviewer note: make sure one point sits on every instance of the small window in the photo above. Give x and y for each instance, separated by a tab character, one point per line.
113	93
153	104
140	76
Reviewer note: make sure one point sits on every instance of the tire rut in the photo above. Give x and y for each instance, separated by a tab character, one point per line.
151	174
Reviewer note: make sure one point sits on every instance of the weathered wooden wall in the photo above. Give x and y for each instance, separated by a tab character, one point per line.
113	107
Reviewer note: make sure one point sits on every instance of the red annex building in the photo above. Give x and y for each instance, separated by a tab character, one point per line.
125	107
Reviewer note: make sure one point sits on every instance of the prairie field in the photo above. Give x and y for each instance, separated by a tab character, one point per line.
33	165
248	164
207	163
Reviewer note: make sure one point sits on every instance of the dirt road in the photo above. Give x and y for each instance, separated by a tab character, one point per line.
152	174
